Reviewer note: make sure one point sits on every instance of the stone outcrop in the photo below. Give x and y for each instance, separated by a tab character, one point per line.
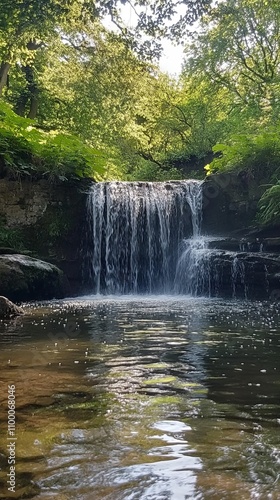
8	309
48	219
245	274
244	258
24	278
230	203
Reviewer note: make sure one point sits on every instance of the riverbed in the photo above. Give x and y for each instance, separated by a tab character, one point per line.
143	398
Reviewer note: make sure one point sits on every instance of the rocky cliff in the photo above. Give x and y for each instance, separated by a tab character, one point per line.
46	219
230	203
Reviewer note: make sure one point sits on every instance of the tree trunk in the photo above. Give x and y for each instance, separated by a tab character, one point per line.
29	95
33	92
34	104
4	71
21	103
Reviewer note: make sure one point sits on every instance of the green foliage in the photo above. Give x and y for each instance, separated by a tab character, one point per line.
236	50
76	76
148	171
257	154
116	101
237	47
28	150
50	231
11	238
25	22
269	206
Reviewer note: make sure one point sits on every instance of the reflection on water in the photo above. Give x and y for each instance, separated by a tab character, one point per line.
143	398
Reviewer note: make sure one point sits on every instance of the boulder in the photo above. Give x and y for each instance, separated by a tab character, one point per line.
24	278
8	309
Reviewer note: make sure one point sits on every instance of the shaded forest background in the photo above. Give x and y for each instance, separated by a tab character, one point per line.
79	99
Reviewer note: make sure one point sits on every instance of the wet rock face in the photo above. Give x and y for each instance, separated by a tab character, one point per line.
226	267
240	261
245	275
47	219
24	278
8	309
229	203
248	275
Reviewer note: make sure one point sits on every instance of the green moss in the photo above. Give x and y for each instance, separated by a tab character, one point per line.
53	232
165	400
161	380
56	226
157	366
42	238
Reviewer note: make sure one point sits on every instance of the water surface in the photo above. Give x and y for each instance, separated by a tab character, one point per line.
138	398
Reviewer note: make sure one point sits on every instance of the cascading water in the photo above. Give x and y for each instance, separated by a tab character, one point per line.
145	237
202	270
193	273
238	275
135	234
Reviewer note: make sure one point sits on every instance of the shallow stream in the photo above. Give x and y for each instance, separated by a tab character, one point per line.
138	398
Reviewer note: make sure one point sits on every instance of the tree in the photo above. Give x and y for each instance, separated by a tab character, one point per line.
156	18
26	26
238	48
68	71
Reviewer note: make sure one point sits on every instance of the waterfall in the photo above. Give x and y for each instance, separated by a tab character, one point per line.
146	238
135	234
238	276
194	272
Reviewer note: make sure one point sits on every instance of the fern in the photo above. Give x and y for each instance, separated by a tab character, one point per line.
28	150
259	154
269	206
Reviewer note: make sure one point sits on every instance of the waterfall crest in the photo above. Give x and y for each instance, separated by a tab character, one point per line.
136	231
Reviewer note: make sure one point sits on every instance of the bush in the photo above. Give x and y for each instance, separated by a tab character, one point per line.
189	166
269	206
151	172
258	154
28	150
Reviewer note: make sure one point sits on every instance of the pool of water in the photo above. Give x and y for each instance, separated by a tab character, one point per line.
138	398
